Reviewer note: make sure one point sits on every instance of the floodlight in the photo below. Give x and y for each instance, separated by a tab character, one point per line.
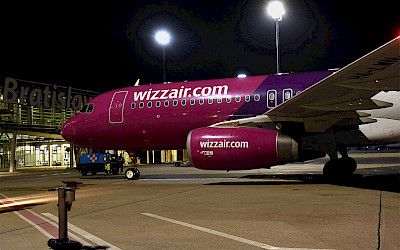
163	37
275	10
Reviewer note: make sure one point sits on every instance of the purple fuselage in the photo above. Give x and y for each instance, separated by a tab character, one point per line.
160	116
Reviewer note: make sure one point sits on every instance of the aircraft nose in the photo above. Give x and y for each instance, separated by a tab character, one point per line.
69	131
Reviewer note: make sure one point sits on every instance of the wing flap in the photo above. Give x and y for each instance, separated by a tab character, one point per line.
388	84
360	104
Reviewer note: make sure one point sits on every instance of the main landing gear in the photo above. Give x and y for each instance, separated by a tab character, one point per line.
339	168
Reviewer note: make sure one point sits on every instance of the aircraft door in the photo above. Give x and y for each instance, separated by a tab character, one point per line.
116	110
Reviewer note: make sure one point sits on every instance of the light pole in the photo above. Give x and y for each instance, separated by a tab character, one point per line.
276	11
163	38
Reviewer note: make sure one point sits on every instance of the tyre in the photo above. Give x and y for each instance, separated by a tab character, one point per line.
132	174
340	169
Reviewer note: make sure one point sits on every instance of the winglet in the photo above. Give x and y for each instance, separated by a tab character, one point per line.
137	83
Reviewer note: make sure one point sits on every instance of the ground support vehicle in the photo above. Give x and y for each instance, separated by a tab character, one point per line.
94	163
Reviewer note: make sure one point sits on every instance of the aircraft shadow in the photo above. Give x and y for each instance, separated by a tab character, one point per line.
389	182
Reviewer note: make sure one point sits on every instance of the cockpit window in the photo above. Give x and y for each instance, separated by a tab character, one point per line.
88	108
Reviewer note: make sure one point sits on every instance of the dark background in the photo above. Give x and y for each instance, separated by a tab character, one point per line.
103	46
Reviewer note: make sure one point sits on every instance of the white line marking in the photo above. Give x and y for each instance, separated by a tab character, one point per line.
71	235
187	179
27	217
210	231
48	235
84	234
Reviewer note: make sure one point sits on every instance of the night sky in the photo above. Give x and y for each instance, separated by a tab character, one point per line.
102	46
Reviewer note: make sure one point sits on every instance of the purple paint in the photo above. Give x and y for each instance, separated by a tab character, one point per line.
160	116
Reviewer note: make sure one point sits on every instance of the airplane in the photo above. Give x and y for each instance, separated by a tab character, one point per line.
254	122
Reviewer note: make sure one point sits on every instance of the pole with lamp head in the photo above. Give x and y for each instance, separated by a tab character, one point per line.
276	10
163	38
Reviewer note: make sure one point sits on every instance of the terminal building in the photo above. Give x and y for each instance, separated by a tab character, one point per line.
32	115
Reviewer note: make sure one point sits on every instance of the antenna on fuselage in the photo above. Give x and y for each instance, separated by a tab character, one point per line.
137	82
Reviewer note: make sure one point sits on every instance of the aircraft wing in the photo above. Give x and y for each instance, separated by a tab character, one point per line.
338	98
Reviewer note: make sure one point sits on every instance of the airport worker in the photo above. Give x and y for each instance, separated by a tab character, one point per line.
121	161
107	164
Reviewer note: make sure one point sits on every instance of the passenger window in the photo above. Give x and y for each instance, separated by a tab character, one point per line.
219	100
228	100
287	94
166	103
247	98
175	103
271	98
238	98
158	104
192	101
201	101
133	105
149	104
141	105
210	101
183	102
257	97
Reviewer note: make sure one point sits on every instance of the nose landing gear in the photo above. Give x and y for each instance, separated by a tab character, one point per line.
132	174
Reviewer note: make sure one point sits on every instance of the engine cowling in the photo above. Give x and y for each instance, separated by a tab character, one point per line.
233	148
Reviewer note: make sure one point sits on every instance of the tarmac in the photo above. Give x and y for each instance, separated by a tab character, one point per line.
286	207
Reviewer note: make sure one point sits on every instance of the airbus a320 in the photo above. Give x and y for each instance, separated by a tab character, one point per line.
254	122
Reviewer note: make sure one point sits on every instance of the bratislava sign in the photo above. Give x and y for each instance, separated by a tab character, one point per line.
47	97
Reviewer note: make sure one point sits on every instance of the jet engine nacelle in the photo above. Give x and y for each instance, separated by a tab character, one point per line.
233	148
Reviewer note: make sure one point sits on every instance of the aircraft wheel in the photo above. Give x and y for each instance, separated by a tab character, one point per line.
132	174
331	168
340	168
349	165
